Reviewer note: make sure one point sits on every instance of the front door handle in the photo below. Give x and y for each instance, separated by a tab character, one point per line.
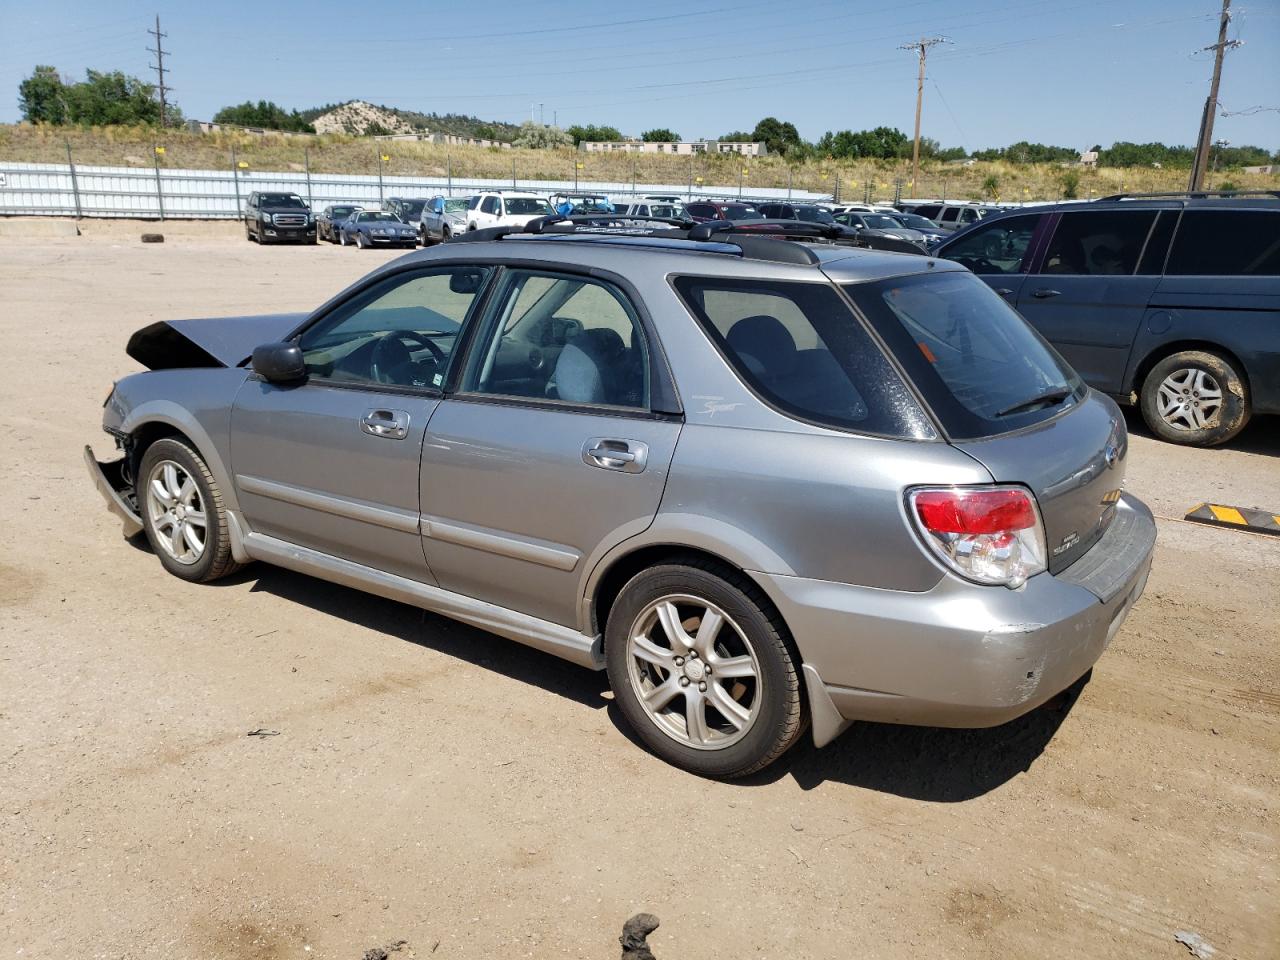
1044	293
388	424
1004	291
608	453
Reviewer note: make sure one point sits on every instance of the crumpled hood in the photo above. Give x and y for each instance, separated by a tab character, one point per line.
216	342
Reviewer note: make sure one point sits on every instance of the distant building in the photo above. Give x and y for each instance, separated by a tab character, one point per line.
1089	158
1266	168
684	148
447	139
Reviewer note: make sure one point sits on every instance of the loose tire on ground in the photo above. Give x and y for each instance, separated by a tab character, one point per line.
215	560
751	639
1196	398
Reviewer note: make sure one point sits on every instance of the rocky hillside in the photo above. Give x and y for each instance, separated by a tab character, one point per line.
358	118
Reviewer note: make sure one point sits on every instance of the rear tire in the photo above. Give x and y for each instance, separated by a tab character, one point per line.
182	512
724	705
1195	398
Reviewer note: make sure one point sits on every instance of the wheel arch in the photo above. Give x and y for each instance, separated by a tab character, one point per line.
157	419
1144	366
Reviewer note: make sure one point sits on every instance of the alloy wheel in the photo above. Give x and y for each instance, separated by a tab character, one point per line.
1189	399
694	672
177	512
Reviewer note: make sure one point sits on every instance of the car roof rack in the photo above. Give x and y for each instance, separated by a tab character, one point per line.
1193	195
769	240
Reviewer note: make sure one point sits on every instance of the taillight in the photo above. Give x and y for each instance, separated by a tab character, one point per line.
988	535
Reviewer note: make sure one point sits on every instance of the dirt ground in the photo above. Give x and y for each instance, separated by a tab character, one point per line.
433	784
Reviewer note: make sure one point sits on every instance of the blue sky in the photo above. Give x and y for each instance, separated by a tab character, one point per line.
1071	72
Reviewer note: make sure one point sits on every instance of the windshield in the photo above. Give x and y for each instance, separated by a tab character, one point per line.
814	215
526	205
379	217
342	211
456	205
981	367
412	208
282	200
663	210
915	222
879	221
739	211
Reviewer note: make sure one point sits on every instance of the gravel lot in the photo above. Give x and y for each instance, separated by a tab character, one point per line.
434	784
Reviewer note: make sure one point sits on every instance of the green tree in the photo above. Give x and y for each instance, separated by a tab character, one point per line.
882	143
110	97
951	153
660	135
991	186
539	136
777	136
42	97
738	136
263	114
593	133
1071	185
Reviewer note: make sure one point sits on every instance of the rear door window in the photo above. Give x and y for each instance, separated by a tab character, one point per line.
801	349
1226	243
929	211
1098	242
997	247
950	214
981	368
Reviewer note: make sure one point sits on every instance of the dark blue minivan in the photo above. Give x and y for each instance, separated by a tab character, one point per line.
1168	301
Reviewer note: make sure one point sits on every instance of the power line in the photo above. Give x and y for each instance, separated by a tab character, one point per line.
158	67
921	47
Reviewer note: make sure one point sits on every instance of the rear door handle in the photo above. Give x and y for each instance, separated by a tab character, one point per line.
608	453
388	424
1044	293
1004	291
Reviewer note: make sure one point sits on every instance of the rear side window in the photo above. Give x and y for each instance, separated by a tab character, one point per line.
801	349
1226	243
929	211
949	215
982	369
1098	243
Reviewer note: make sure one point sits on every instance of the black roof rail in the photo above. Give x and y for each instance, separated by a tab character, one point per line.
1193	195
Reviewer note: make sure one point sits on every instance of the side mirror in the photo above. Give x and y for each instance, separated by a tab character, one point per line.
279	362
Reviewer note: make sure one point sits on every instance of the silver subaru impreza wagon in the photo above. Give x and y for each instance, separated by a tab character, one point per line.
767	485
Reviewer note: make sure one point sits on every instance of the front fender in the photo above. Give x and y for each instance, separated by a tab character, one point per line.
203	414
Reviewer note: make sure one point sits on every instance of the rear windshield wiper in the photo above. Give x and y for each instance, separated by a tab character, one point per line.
1044	399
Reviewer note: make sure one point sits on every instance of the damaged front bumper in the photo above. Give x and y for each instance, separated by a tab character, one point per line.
110	480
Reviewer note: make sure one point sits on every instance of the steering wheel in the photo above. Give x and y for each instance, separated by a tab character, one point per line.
390	353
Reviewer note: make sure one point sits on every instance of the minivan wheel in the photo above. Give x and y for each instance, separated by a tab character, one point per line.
182	512
1195	398
703	669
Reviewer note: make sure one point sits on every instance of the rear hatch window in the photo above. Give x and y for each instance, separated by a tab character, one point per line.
801	349
978	364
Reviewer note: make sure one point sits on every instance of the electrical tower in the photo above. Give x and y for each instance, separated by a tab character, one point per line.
158	67
921	47
1211	105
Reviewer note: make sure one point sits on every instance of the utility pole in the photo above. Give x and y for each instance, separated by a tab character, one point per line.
1211	105
158	67
921	47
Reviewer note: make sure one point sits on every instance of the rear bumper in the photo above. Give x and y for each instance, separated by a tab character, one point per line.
963	655
107	477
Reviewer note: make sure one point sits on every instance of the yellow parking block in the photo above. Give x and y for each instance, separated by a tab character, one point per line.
1237	518
1228	515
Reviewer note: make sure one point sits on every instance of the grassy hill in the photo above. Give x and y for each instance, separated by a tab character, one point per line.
338	153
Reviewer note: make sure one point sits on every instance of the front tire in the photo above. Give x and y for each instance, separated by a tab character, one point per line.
182	512
703	669
1195	398
342	238
360	241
